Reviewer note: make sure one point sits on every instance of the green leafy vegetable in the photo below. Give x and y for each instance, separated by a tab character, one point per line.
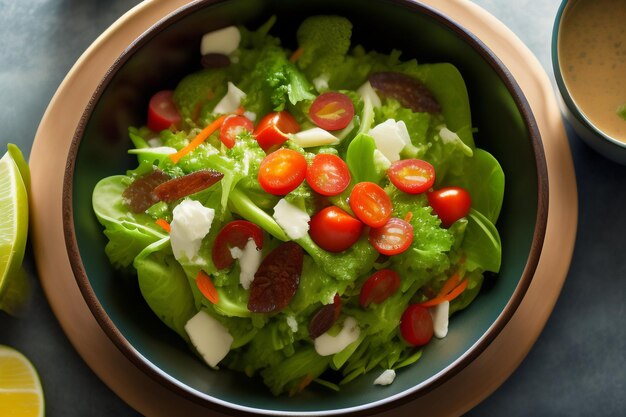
481	244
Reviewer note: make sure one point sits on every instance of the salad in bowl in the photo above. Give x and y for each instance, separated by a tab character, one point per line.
308	214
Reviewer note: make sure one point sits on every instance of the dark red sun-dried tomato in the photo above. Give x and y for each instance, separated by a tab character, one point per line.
139	194
324	318
277	279
409	91
186	185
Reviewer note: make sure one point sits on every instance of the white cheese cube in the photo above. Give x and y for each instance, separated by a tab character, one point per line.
390	138
326	344
386	377
191	222
210	338
249	261
294	221
231	101
222	41
313	137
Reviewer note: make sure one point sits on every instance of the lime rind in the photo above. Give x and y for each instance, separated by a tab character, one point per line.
22	165
13	235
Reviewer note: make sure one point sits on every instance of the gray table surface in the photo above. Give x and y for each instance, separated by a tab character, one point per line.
576	368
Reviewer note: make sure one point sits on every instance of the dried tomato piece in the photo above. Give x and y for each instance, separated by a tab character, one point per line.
409	91
324	318
215	60
187	184
139	194
277	279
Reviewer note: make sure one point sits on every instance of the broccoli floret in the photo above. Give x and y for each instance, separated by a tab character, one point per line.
325	41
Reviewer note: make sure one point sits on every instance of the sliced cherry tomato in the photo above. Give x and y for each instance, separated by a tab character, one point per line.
328	174
416	325
371	204
412	176
272	130
234	234
233	126
162	112
282	171
393	237
332	111
334	230
450	204
378	287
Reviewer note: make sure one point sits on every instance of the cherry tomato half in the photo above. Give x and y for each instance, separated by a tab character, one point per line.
393	237
234	234
332	111
416	325
412	176
378	287
371	204
232	127
334	230
282	171
328	174
450	204
272	130
162	112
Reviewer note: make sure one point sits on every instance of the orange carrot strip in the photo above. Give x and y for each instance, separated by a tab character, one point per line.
206	287
408	216
448	297
164	225
240	110
449	285
296	55
199	139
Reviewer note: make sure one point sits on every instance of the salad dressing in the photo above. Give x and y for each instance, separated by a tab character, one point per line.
592	52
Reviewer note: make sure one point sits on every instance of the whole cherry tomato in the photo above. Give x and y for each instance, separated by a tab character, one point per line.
334	230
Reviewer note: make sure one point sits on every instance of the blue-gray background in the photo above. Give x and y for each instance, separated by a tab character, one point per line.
576	368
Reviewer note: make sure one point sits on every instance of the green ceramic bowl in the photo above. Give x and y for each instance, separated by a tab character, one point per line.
168	51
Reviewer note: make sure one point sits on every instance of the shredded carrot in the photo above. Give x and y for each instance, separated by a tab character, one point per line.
240	110
296	55
306	380
199	139
408	216
164	225
448	297
449	285
206	287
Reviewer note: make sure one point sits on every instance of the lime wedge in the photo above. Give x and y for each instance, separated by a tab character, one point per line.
13	233
21	163
20	389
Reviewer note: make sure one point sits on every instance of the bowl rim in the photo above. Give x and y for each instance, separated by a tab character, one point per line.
217	404
568	99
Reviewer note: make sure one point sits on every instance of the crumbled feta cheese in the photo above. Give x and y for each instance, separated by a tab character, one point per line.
440	315
191	222
326	344
366	90
292	323
250	115
321	82
390	138
249	261
381	160
231	101
222	41
155	142
386	377
210	338
447	136
314	137
294	222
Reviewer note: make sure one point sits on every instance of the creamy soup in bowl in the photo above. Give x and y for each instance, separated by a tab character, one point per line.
589	54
